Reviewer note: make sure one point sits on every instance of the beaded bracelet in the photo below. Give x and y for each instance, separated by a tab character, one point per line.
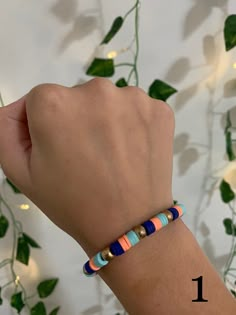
130	239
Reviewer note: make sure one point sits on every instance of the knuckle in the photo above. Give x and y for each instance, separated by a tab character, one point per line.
168	110
101	84
135	91
162	111
46	95
105	90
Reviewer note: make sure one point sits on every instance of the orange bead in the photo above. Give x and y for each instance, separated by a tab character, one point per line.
179	209
93	266
127	241
124	244
157	223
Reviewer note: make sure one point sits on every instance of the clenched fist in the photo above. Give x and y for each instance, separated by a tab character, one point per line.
96	159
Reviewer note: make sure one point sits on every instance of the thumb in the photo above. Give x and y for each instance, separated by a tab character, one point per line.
15	143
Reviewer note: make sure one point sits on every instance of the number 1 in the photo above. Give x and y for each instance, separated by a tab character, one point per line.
199	290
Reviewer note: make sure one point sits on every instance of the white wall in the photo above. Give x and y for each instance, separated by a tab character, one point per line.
52	41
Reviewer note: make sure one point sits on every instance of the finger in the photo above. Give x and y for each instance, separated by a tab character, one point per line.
15	143
46	105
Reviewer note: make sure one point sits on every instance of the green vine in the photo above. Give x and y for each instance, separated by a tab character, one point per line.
227	194
101	67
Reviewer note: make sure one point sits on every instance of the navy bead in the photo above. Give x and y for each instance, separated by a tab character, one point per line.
174	212
149	227
116	249
89	270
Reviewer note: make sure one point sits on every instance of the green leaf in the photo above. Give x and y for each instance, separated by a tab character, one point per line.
121	82
45	288
38	309
229	228
15	189
227	194
161	90
228	139
17	302
30	241
229	147
1	300
116	26
55	311
101	68
175	202
233	292
228	121
23	251
230	32
4	224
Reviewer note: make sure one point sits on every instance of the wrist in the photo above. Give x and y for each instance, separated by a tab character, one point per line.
135	276
156	274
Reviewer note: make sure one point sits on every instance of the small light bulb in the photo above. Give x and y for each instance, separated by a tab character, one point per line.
24	206
17	280
112	54
234	65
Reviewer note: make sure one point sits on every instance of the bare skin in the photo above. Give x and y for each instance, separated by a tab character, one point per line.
112	150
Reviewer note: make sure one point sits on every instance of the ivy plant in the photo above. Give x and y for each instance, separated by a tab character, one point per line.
22	245
106	67
226	192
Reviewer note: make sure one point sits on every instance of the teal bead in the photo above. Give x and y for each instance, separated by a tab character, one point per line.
163	219
99	261
133	238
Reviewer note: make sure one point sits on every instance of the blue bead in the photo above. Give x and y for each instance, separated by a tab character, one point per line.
99	261
88	269
116	249
133	238
149	227
162	218
174	212
86	274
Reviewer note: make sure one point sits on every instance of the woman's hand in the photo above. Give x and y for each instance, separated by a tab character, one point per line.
96	159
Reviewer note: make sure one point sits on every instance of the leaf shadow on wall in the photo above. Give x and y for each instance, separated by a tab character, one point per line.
209	249
93	310
187	153
199	13
65	11
82	24
230	88
176	73
180	69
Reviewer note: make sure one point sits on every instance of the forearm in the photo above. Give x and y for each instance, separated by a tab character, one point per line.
155	277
